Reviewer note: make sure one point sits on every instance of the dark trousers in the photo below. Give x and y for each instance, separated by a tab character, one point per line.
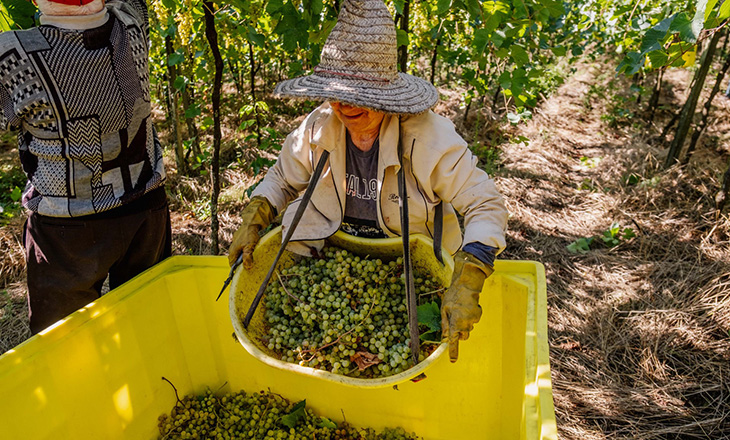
68	259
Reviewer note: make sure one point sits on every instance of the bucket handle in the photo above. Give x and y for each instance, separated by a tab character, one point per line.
285	240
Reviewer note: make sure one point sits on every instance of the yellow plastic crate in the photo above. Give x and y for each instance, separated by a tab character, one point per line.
98	373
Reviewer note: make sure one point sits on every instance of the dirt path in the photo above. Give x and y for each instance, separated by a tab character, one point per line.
639	342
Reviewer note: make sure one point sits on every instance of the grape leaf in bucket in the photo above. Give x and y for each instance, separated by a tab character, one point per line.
297	413
429	315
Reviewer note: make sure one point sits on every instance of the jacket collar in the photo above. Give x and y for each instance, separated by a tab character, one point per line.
328	132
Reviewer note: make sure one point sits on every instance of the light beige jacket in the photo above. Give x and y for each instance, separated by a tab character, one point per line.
438	166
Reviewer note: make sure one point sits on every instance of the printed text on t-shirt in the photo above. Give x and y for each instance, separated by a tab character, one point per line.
361	188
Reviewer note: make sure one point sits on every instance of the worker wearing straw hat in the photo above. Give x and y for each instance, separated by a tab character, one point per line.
370	111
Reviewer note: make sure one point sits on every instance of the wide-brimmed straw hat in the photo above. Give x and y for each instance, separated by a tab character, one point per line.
359	66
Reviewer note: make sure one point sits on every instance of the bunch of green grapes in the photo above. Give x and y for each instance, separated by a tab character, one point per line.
263	415
345	314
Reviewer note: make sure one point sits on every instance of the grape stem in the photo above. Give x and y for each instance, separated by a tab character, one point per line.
317	350
426	341
171	431
287	292
173	387
263	417
433	291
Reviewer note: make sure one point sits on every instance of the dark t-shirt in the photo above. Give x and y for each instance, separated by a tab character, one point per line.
361	209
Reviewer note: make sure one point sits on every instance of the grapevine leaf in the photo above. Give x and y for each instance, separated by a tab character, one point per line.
654	37
274	6
319	36
502	53
16	14
493	22
399	6
256	38
180	83
442	6
475	8
724	12
580	246
554	7
324	422
175	58
559	51
621	10
402	37
520	9
632	63
295	69
708	9
519	55
481	39
698	22
193	111
430	316
317	6
169	4
628	233
297	413
683	25
498	38
658	58
505	80
16	194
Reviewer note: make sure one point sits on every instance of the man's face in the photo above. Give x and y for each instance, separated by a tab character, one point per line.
358	120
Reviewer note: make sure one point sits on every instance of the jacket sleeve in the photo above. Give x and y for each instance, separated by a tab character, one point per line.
8	118
291	172
456	179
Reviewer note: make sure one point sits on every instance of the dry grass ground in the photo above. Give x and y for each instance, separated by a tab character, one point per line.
639	341
638	333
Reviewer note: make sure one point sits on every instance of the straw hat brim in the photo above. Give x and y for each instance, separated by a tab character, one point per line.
405	95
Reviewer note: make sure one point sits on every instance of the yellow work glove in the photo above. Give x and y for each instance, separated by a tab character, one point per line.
460	308
257	215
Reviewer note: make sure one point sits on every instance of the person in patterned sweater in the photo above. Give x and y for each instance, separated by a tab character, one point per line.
76	90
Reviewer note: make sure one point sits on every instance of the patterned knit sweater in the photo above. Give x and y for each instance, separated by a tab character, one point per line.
77	91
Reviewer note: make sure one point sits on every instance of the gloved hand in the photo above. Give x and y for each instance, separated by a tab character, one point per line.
257	215
460	308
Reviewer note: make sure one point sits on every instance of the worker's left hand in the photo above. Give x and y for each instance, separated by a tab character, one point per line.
257	215
460	308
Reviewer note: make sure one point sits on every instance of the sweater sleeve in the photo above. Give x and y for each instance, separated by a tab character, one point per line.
8	118
484	253
140	10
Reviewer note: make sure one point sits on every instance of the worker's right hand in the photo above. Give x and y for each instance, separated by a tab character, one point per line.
257	215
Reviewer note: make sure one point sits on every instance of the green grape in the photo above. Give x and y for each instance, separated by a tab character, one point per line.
259	415
326	312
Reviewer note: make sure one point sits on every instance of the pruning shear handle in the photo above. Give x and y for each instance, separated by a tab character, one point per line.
238	262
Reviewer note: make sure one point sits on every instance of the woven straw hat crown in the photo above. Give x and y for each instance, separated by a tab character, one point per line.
359	65
362	43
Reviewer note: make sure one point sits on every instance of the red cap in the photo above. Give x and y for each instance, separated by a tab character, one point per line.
72	2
